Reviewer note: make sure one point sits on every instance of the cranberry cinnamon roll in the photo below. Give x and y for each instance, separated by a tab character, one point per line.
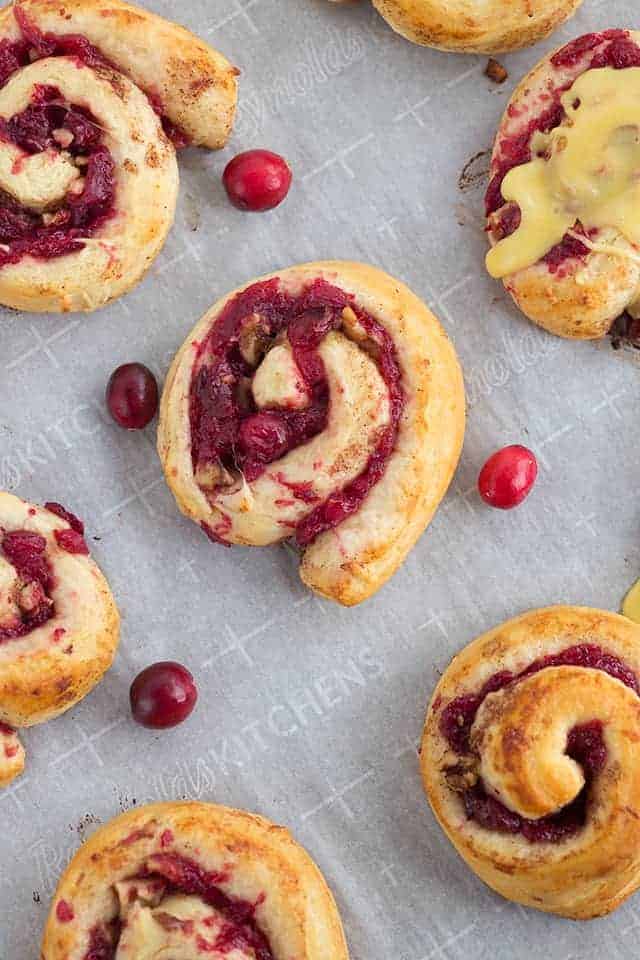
530	759
58	622
322	403
475	26
563	203
92	92
193	880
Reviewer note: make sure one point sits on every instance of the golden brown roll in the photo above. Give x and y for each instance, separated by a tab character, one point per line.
323	402
475	26
92	94
563	200
192	880
59	625
530	759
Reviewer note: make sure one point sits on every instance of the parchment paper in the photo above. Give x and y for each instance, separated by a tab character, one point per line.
310	714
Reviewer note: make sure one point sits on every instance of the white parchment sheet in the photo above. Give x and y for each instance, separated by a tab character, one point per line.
308	713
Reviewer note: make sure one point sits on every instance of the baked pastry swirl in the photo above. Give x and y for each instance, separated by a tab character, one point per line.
325	403
475	26
92	92
530	759
563	203
59	625
192	880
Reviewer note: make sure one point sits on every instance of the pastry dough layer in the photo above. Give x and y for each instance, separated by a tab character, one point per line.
48	670
582	297
351	561
475	26
518	743
248	858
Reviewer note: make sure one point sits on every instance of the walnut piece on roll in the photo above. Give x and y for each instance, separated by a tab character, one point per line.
563	202
191	880
475	26
95	96
323	403
59	625
530	759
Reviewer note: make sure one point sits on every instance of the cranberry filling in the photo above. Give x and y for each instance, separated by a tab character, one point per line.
74	522
611	48
227	429
26	552
239	931
23	232
585	745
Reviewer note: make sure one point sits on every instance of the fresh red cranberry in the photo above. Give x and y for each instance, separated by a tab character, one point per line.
132	396
257	180
507	477
263	437
163	695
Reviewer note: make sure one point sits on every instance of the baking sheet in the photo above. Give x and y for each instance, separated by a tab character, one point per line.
310	714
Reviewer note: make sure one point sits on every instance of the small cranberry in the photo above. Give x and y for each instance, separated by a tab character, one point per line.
132	396
257	180
264	437
507	477
163	695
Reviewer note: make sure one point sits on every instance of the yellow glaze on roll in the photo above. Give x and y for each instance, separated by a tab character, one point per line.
587	170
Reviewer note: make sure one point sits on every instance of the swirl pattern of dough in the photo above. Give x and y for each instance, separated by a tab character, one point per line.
475	26
325	403
575	291
59	625
530	759
92	92
192	880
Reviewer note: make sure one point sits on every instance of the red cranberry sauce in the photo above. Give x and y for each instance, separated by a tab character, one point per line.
227	429
240	929
101	945
74	522
26	552
585	745
24	232
611	48
72	540
78	46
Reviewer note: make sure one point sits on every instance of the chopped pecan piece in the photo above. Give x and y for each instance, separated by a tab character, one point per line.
495	71
254	340
462	775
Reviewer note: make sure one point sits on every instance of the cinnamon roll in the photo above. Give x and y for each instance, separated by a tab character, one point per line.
475	26
58	622
92	94
530	759
192	880
563	202
322	403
